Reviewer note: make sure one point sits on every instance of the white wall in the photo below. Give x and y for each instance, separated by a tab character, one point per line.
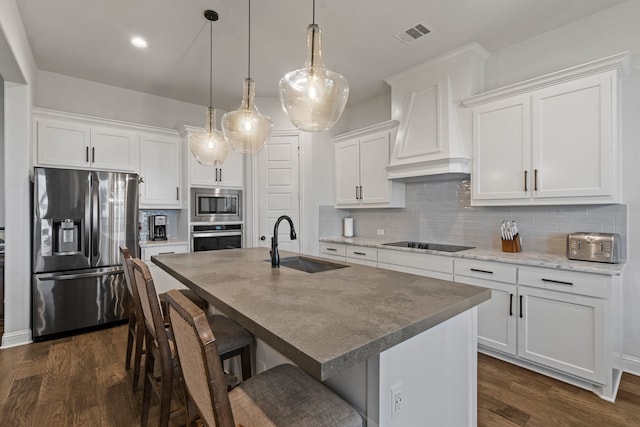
17	68
70	94
2	202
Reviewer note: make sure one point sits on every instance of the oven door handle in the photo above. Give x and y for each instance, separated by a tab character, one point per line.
216	234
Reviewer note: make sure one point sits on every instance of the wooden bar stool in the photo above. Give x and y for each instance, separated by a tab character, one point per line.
281	396
159	349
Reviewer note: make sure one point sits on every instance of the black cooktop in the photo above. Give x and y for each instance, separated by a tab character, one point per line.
430	246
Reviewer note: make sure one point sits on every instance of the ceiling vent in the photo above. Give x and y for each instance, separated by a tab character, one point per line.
413	33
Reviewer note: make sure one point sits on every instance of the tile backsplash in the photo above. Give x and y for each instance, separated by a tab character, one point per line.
440	212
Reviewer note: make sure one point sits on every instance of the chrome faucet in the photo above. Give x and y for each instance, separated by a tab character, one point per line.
275	256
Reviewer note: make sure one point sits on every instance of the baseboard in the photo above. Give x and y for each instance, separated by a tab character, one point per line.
631	364
14	339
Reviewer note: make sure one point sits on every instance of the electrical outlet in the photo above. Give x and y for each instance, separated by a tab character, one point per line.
396	399
380	232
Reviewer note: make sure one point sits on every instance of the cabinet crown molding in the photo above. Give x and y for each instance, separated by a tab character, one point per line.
618	62
379	127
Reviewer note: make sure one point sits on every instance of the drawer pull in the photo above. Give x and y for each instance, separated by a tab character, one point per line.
481	271
559	282
360	253
166	253
332	249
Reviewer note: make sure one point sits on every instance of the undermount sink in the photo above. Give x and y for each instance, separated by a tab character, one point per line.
309	265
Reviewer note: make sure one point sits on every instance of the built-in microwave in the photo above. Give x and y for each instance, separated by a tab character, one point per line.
216	205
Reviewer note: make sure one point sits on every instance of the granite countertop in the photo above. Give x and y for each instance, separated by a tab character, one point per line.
520	258
324	322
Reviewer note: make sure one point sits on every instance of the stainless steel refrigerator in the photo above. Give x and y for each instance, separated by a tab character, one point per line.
80	219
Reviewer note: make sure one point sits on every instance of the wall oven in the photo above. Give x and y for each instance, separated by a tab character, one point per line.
213	237
216	205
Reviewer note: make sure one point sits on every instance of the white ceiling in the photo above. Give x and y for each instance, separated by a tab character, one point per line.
90	39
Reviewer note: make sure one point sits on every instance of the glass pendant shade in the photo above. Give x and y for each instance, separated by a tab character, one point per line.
209	147
313	97
246	129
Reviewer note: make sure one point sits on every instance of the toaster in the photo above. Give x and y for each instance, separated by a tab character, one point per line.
599	247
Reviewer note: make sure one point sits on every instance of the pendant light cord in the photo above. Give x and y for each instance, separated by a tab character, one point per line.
210	64
314	12
249	45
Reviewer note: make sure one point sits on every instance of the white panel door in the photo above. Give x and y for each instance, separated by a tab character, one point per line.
562	331
278	189
572	138
502	150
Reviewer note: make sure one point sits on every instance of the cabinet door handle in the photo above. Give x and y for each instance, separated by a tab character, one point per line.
216	174
559	282
481	271
360	253
166	253
332	249
535	180
361	196
220	174
510	304
526	175
86	154
177	193
93	154
521	316
357	193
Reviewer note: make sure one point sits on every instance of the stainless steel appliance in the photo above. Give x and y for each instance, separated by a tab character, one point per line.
216	205
599	247
158	227
80	218
211	237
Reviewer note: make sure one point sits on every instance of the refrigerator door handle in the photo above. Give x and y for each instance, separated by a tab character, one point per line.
95	219
80	275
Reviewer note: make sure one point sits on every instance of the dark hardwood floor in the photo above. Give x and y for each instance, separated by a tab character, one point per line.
81	381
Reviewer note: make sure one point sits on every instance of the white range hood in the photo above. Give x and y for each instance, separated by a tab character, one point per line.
434	136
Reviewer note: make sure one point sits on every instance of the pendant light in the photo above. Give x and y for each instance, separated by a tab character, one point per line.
246	129
209	146
313	97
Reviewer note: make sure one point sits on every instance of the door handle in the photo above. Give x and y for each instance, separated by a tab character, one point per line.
357	193
177	193
93	154
535	180
220	174
263	238
526	175
86	154
361	196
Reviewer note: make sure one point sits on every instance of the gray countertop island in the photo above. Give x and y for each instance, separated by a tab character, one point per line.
326	322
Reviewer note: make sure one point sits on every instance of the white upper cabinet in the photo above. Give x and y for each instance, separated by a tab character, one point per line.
361	159
72	141
230	174
160	162
434	136
550	140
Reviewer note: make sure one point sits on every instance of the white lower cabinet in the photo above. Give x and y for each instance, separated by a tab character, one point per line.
334	251
564	322
497	316
162	281
421	264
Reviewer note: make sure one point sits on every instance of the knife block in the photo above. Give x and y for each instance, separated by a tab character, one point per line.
512	245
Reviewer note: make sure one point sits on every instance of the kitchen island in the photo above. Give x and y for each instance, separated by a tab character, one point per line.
400	348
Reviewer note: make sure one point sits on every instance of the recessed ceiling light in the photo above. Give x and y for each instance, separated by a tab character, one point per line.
138	42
